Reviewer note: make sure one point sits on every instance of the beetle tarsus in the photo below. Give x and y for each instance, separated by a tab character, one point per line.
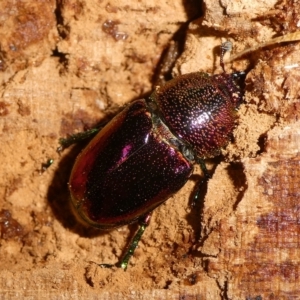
76	138
46	165
134	243
123	263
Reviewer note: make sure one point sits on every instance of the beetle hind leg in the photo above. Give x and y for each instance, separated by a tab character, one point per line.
123	263
202	182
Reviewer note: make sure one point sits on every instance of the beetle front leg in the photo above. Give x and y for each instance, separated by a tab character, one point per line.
204	180
123	263
76	138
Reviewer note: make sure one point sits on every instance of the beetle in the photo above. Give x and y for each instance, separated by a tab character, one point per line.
147	152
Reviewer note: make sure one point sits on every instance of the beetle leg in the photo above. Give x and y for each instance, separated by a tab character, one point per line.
167	62
76	138
225	47
46	165
204	180
202	165
144	222
123	263
88	134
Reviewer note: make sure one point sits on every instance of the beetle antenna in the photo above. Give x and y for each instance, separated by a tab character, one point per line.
225	47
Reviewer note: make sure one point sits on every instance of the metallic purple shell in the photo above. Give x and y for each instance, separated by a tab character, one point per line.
126	171
200	110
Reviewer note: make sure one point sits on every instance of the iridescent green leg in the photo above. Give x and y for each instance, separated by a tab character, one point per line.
123	263
206	177
76	138
46	165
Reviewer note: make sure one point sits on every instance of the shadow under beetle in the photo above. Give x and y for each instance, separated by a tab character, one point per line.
146	153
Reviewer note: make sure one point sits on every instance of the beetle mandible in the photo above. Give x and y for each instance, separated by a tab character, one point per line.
146	153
